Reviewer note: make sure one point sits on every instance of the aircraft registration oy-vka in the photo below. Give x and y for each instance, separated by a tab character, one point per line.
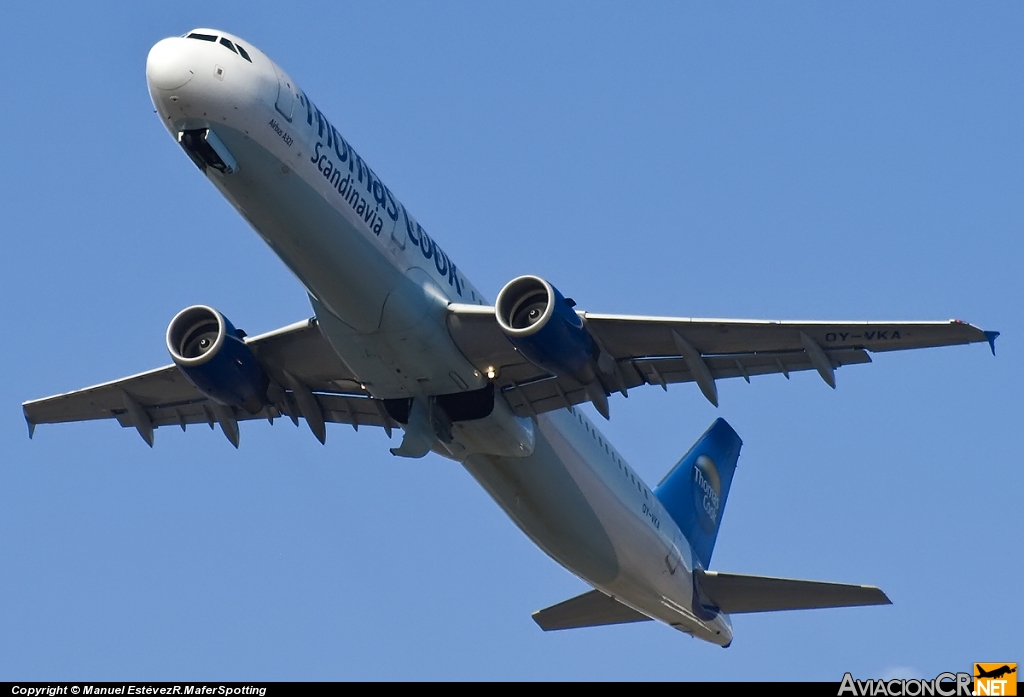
401	340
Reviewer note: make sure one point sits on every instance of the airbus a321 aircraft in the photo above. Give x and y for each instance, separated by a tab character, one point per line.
400	339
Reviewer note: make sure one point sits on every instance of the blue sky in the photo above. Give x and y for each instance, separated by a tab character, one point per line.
812	161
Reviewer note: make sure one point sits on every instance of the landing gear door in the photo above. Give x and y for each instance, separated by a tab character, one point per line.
285	104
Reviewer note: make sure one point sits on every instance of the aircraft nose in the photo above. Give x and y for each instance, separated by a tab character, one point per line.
168	67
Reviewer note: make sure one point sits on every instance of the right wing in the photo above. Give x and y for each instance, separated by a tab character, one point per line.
636	350
164	397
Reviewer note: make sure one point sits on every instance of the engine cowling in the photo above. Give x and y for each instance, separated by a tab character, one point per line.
210	352
542	324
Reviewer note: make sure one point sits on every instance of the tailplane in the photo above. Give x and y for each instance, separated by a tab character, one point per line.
592	609
738	593
694	491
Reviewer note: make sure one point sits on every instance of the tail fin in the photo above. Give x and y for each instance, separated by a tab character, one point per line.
694	491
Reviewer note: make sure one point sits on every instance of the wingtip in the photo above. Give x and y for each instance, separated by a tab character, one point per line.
31	427
991	337
881	598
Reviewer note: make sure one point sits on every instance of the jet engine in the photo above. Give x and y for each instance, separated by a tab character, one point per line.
542	324
210	352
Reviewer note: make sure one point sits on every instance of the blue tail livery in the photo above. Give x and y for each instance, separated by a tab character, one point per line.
695	490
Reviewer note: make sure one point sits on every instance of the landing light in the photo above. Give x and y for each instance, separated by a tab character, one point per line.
491	372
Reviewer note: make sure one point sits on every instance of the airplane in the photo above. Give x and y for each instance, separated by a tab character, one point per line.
400	339
996	672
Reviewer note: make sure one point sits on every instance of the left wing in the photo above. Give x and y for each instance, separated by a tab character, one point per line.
317	386
635	351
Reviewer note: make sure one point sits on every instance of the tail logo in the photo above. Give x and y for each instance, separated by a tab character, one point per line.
707	490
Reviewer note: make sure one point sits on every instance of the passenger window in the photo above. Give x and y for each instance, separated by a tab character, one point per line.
201	37
242	51
225	42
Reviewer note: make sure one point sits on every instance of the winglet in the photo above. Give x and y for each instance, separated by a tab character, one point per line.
31	427
990	337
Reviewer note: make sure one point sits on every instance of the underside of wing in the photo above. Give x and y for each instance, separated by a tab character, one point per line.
308	380
738	593
592	609
629	351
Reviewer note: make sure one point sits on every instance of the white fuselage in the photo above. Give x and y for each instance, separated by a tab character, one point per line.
379	285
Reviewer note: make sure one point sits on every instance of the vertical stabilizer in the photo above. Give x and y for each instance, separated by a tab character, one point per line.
695	490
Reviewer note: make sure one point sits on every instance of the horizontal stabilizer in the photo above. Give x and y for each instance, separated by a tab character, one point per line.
592	609
736	593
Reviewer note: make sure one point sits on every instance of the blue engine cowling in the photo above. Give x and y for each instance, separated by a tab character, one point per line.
210	352
543	325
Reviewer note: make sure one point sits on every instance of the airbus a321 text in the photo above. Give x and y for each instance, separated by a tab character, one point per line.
401	339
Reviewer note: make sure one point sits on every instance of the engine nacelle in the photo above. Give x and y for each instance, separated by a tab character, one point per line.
210	352
544	327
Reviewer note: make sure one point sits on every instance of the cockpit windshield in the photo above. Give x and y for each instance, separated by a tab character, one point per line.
224	41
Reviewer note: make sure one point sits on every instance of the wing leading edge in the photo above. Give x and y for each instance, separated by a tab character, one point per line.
665	350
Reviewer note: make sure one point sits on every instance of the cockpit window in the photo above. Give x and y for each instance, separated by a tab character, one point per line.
224	42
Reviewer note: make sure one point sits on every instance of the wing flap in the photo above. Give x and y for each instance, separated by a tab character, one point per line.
549	393
592	609
673	369
738	593
340	409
